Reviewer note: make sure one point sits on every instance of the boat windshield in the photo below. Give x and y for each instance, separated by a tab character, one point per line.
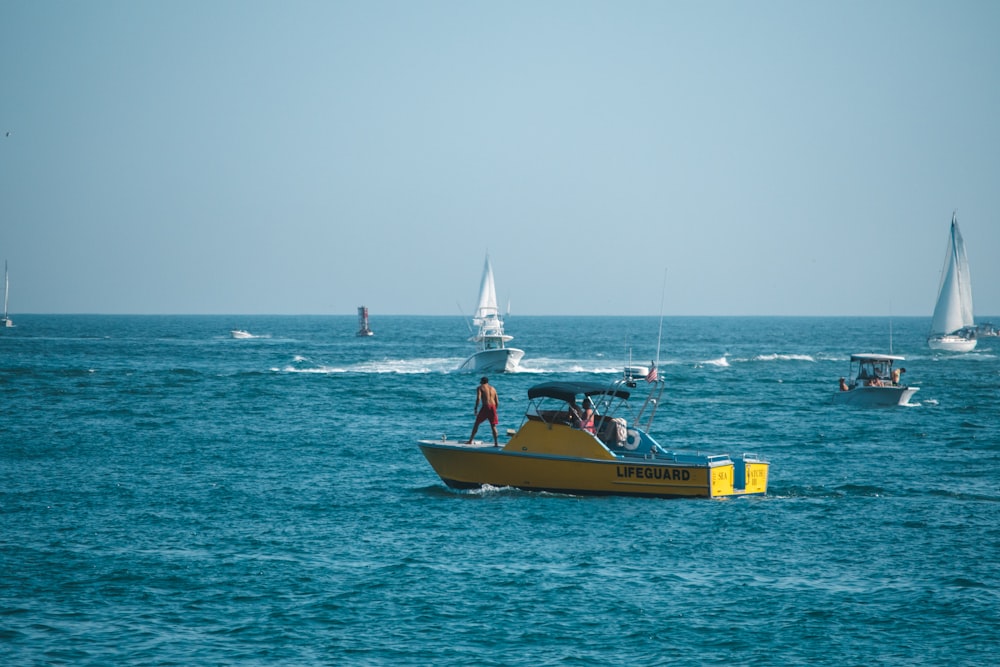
872	369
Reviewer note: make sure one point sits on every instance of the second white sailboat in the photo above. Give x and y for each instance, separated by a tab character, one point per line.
952	327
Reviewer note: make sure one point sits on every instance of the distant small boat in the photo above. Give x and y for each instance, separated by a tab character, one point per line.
363	328
633	373
6	321
492	353
874	382
987	330
240	333
952	327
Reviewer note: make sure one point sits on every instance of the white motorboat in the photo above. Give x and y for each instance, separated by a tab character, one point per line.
952	327
492	354
874	382
240	333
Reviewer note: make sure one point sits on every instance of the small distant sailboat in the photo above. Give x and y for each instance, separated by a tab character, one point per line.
6	321
952	327
492	354
363	328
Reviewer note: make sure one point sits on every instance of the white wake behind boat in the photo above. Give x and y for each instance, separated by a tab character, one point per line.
6	321
874	382
492	354
952	327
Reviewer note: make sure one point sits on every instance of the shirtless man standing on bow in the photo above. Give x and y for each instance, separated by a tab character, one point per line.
486	395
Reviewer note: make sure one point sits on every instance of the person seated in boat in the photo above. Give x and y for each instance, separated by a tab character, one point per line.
587	416
581	418
873	381
896	372
843	385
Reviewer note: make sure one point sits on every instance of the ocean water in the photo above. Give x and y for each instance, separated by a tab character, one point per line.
172	496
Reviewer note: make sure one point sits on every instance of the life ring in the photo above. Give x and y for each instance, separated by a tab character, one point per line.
632	439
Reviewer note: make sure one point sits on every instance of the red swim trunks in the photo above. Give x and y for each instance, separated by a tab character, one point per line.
487	413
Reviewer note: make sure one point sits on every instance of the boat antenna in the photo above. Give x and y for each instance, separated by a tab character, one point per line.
627	376
659	336
890	335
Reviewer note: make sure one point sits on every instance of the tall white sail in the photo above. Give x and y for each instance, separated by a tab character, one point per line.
487	316
953	311
6	321
487	307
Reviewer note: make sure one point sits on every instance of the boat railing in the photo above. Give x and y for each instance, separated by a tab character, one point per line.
694	458
652	402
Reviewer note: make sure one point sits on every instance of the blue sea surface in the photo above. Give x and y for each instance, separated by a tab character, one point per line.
170	495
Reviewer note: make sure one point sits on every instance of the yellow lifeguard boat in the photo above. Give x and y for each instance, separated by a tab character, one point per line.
554	450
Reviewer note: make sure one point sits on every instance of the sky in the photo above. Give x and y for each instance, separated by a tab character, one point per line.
707	157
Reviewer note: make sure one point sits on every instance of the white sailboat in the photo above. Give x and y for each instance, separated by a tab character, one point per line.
6	321
492	353
952	327
363	328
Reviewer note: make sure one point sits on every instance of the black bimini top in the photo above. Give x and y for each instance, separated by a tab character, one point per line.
568	391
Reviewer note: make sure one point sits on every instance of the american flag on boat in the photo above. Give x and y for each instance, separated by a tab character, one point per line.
652	375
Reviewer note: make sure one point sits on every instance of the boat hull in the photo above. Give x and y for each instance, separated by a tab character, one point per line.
472	466
876	396
502	360
951	343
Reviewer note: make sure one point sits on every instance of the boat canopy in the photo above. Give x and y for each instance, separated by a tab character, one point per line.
568	391
876	357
